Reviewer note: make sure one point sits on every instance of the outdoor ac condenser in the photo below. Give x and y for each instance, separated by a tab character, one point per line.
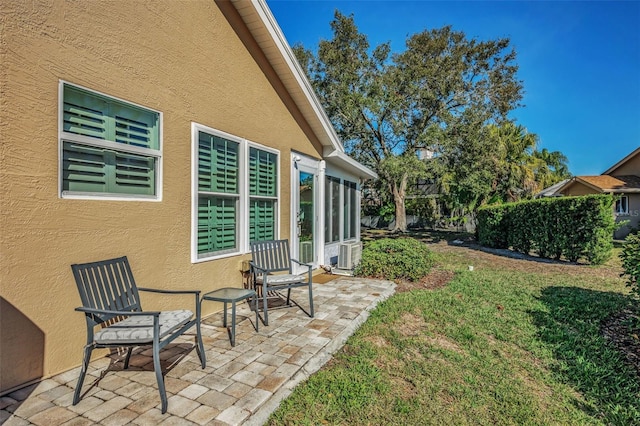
349	255
306	251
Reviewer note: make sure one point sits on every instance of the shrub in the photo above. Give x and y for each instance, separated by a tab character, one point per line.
569	227
399	258
631	262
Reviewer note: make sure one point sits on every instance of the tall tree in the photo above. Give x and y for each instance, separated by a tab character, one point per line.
550	168
514	161
438	94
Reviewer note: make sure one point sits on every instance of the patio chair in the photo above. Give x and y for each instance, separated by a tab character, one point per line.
110	300
272	270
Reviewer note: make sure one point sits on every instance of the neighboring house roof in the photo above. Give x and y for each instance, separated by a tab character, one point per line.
552	191
622	162
269	37
608	184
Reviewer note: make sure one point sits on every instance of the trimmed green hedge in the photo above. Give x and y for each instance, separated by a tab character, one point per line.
631	262
397	258
568	227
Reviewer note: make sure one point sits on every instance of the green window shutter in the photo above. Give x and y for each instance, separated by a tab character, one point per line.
217	219
134	126
84	114
98	170
218	164
89	114
94	169
262	173
84	168
261	220
134	174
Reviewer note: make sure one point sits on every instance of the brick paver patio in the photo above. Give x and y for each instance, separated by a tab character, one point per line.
240	385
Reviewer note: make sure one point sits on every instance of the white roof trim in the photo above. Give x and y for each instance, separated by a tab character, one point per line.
621	162
343	160
286	66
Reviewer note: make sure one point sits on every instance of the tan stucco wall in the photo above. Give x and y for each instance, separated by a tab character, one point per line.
577	188
632	220
631	167
179	57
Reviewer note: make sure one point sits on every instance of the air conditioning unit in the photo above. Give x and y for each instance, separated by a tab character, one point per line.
306	251
349	255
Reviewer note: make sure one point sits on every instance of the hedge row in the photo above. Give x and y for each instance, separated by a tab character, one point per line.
568	227
631	262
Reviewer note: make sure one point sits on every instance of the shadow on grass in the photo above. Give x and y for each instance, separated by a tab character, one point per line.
433	236
571	326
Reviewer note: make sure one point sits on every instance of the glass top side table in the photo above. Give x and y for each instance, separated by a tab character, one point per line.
231	295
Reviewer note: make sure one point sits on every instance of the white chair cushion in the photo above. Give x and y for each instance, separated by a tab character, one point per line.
282	279
139	329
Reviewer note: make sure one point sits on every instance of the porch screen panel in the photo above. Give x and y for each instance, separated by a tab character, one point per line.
263	191
332	210
350	210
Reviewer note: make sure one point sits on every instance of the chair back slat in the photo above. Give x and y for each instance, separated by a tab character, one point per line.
272	255
108	285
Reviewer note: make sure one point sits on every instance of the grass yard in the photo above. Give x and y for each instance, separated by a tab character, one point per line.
513	342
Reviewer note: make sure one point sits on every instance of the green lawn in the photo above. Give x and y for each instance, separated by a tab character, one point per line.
512	342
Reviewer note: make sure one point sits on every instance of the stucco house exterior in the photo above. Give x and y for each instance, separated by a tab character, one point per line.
172	132
621	179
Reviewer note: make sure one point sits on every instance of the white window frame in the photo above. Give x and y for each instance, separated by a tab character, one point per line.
100	143
356	203
242	226
623	201
342	196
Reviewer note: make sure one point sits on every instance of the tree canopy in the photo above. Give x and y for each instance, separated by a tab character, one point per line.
445	93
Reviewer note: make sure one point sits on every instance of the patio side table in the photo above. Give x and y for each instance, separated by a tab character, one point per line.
231	295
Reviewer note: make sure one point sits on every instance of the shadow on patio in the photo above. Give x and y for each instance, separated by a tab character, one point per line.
240	385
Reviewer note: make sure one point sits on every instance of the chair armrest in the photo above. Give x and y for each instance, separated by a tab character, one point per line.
156	290
117	313
254	266
308	265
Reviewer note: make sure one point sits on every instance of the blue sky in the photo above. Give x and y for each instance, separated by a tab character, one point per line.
579	61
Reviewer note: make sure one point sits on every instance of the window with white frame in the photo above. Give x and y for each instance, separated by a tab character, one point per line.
622	206
109	147
237	190
350	210
263	194
341	210
332	210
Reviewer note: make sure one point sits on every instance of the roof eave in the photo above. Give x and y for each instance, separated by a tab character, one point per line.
343	160
621	162
267	33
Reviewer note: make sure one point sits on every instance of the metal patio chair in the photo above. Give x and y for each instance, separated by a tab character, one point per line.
272	270
111	303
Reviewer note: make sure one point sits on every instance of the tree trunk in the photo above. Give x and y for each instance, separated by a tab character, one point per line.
401	214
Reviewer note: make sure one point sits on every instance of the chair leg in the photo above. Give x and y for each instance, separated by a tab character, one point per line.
83	372
264	305
128	357
199	344
158	369
311	301
288	297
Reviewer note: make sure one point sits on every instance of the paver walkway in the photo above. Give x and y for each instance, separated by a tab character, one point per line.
240	385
